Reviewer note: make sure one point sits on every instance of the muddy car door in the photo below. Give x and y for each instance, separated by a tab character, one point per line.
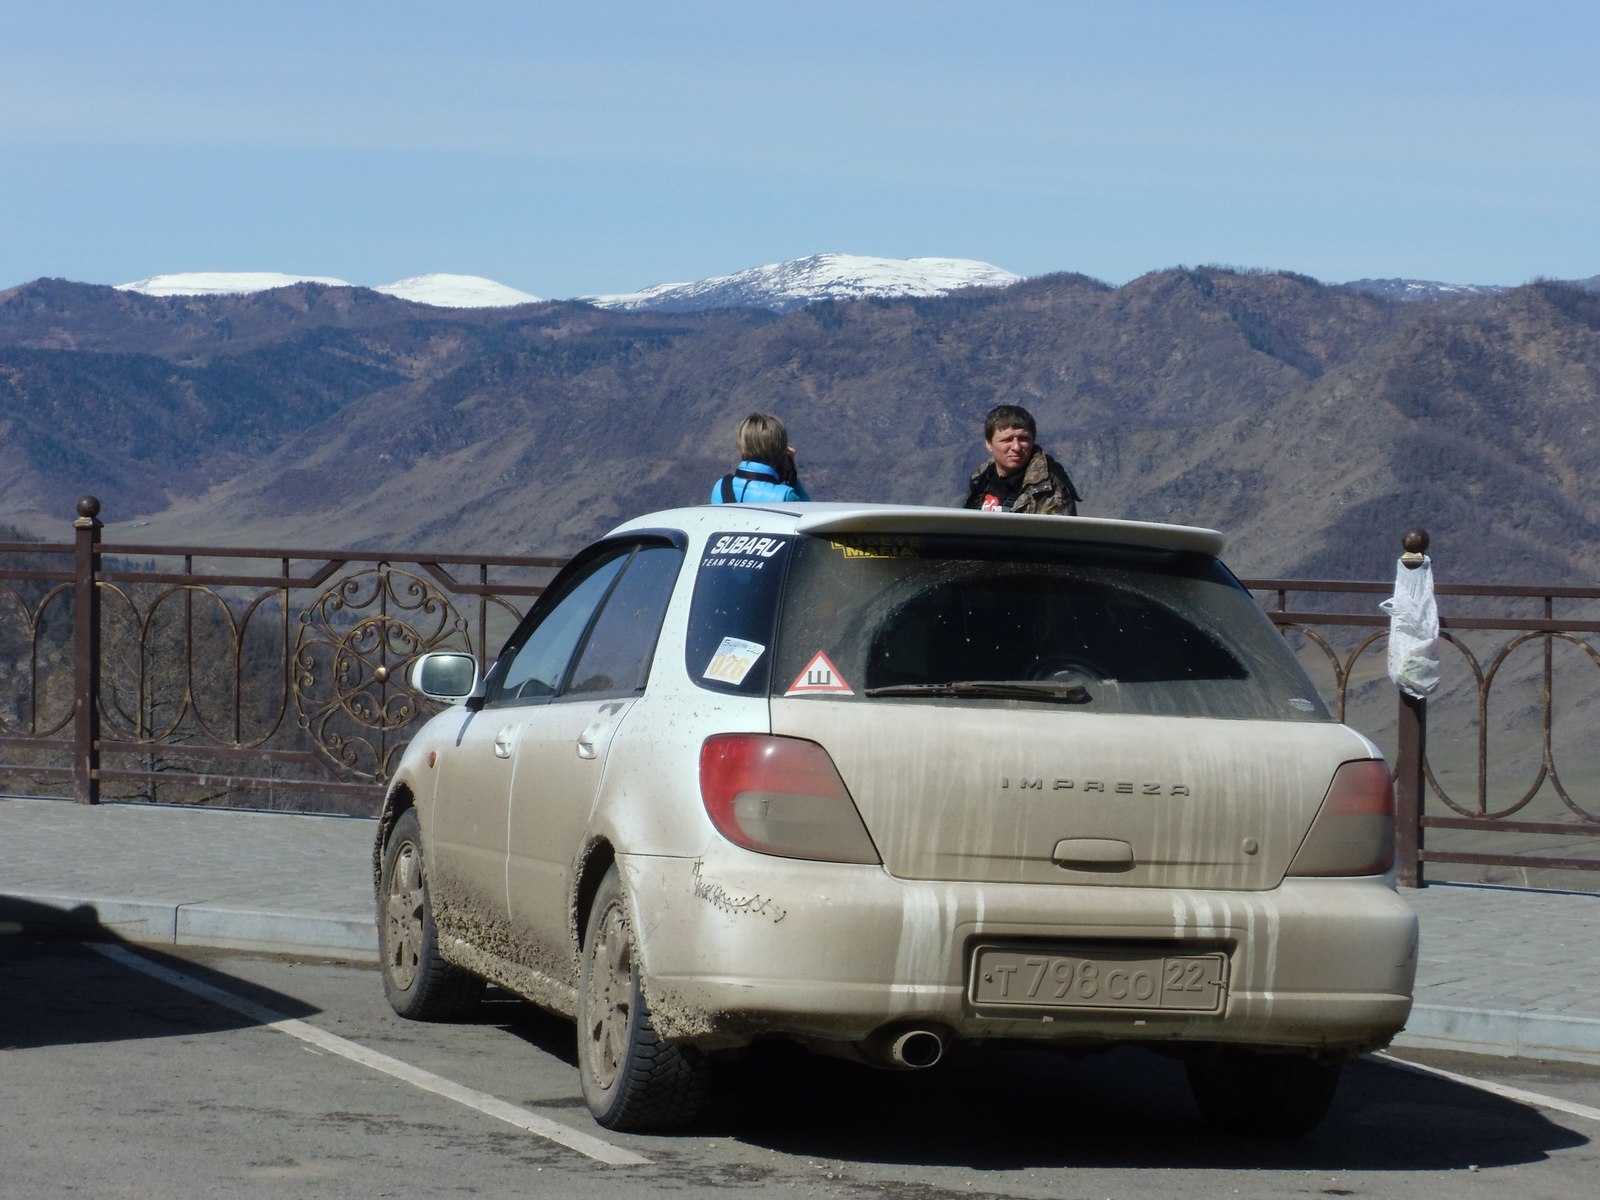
471	815
562	755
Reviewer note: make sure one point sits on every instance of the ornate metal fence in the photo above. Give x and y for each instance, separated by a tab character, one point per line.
270	678
1497	774
263	678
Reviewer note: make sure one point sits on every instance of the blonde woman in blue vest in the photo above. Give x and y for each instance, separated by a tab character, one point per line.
766	473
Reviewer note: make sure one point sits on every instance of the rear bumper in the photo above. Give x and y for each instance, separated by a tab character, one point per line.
734	945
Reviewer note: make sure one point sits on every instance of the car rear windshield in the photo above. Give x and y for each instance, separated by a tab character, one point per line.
1095	628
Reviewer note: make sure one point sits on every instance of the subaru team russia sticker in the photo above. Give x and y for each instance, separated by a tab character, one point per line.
1302	704
820	677
733	660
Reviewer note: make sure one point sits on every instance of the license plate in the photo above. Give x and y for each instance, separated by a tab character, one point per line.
1008	977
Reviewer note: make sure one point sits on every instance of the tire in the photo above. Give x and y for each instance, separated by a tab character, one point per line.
632	1080
420	985
1254	1094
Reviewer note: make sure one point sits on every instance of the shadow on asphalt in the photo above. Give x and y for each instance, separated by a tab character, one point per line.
985	1108
1010	1108
56	991
542	1030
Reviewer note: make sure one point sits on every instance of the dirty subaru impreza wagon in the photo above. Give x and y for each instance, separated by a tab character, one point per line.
884	780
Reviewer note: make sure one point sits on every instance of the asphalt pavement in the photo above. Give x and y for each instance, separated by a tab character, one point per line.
1505	971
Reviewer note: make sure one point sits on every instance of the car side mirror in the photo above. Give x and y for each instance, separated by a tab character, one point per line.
446	675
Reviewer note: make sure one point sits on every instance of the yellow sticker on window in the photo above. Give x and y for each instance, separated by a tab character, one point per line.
877	547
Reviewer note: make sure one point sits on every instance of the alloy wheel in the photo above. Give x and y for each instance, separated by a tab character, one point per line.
404	916
610	996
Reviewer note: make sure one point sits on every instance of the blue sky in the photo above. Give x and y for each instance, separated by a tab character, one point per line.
566	149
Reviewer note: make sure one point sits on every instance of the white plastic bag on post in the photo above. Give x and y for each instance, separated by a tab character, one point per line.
1413	630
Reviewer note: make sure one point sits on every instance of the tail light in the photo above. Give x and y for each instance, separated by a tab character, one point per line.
783	796
1353	833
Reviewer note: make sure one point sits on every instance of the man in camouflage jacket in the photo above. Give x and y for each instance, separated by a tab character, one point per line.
1019	476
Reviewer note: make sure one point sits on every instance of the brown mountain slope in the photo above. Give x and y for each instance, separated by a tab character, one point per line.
1311	423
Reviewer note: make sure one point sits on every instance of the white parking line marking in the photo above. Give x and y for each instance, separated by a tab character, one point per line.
1505	1091
554	1131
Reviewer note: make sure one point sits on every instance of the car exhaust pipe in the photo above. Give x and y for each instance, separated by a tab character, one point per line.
916	1049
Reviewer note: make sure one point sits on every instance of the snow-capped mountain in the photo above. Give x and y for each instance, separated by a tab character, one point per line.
215	283
457	291
798	282
777	286
1413	290
1420	290
441	291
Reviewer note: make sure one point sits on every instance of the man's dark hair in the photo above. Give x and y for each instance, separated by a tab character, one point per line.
1008	416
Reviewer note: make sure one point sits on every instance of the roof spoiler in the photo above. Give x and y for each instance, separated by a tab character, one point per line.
891	518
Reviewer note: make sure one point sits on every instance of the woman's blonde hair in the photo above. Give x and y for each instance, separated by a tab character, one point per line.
763	439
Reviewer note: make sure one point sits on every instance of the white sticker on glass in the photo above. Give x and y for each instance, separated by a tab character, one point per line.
733	660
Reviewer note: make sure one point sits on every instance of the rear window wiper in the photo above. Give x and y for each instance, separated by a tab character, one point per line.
991	689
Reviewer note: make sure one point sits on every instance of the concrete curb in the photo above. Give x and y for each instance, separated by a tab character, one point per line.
164	923
1503	1034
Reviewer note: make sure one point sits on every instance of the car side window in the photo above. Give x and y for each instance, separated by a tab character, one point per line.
539	664
615	660
731	615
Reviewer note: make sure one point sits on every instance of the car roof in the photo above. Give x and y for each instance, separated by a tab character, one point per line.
821	518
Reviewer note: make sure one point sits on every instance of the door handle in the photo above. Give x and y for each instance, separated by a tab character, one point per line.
588	740
1093	854
503	741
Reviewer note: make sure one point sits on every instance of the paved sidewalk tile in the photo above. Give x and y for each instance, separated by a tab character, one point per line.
275	882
